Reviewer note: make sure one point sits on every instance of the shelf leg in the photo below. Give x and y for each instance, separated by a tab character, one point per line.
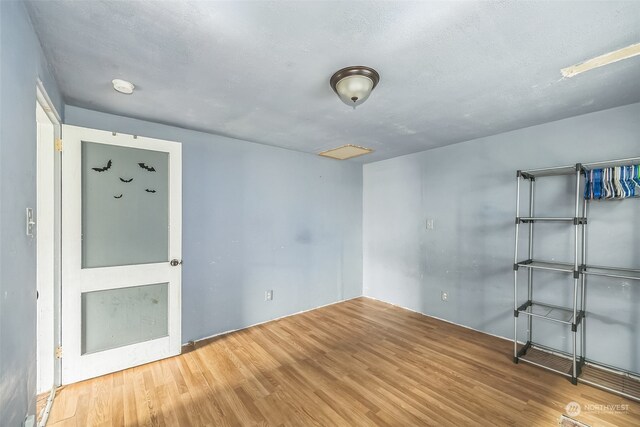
574	375
575	333
515	275
530	270
515	318
583	347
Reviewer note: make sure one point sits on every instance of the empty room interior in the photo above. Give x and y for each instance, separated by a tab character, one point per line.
319	213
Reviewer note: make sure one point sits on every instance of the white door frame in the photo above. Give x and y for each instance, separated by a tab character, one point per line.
77	280
47	237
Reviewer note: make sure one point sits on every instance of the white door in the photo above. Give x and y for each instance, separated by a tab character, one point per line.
121	251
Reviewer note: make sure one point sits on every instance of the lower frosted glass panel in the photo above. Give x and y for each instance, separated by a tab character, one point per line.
118	317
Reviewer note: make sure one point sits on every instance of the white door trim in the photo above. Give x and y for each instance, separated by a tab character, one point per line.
45	251
47	258
47	104
75	366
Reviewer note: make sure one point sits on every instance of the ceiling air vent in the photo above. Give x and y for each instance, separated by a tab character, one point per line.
346	152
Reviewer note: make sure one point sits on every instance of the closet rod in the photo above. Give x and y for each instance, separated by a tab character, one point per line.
611	163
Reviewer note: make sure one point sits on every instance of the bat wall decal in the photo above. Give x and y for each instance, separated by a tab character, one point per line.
147	168
106	168
126	180
117	197
150	191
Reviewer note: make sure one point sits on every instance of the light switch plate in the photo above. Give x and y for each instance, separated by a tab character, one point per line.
30	226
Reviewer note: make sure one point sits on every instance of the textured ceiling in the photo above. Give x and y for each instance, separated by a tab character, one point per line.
259	71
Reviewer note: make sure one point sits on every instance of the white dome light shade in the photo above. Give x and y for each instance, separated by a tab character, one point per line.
354	84
123	86
354	90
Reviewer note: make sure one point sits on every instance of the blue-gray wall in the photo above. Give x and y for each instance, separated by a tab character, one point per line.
21	63
258	218
255	218
469	190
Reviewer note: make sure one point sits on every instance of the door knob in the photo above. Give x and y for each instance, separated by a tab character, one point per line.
175	262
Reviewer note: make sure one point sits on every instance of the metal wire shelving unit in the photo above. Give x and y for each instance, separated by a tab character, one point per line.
574	364
569	316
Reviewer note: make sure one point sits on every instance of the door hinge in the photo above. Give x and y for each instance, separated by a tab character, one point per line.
58	145
58	352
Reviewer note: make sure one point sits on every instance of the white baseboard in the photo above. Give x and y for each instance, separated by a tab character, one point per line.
191	343
44	413
443	320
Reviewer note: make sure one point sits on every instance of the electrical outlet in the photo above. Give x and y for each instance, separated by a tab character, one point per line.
444	295
430	224
30	421
268	295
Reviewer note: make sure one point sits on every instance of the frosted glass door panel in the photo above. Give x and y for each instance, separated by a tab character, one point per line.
118	317
125	205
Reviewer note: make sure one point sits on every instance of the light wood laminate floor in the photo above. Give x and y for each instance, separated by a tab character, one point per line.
359	362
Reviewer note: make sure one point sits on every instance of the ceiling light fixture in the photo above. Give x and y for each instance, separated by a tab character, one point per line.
354	84
123	86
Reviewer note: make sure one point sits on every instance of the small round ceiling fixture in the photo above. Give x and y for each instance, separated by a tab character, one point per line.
123	86
354	84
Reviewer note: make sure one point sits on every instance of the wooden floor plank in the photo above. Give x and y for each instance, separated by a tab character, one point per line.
356	363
